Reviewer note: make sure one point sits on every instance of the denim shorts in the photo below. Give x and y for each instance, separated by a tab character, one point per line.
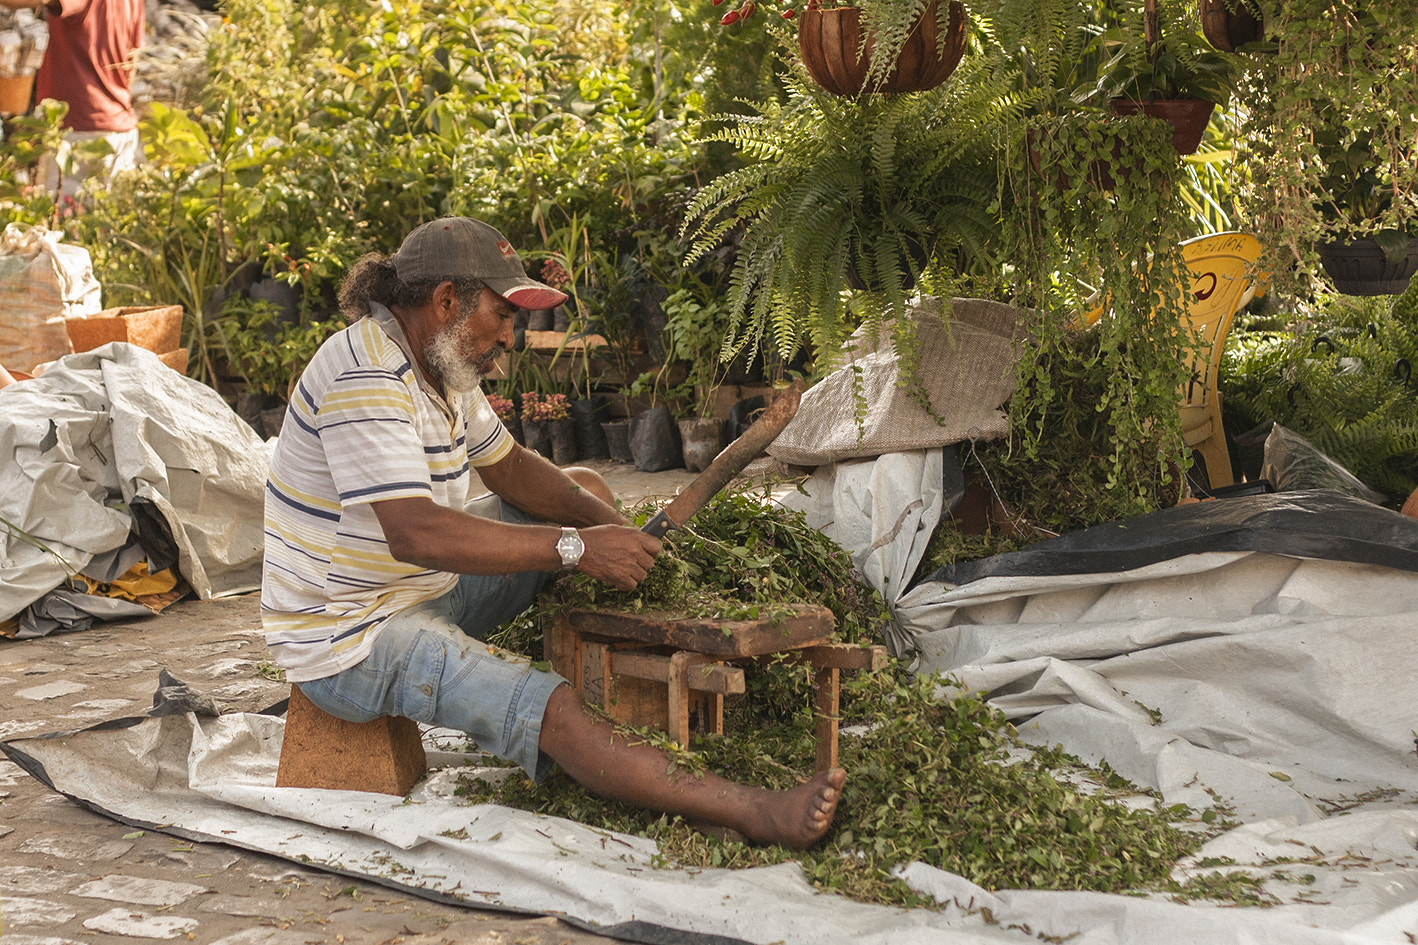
429	664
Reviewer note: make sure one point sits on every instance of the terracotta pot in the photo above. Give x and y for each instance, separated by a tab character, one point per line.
1227	24
830	42
1361	268
16	93
1187	116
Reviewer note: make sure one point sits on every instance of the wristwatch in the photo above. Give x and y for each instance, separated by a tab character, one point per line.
570	547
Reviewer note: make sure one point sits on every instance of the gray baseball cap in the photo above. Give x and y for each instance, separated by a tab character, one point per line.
461	248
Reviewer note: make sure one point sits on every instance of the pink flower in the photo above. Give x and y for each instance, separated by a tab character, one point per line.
544	406
501	406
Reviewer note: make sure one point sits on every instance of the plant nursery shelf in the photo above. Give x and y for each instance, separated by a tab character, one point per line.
551	341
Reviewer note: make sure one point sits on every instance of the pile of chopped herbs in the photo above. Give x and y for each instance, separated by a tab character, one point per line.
933	778
738	558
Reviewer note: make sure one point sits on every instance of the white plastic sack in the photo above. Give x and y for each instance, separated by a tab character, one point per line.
42	282
966	366
882	511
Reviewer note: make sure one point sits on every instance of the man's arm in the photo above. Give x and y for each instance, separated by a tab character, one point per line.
539	487
421	532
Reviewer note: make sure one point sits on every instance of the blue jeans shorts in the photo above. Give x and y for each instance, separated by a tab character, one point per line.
429	664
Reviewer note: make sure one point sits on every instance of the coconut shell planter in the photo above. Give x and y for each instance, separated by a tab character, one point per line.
1187	116
833	51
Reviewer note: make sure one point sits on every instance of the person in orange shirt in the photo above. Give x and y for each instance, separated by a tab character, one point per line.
89	65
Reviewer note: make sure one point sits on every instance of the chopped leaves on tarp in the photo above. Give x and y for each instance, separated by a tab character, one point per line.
934	776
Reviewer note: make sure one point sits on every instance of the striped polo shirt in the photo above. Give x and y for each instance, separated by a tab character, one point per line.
363	425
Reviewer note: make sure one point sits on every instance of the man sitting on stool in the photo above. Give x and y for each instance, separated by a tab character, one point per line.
381	579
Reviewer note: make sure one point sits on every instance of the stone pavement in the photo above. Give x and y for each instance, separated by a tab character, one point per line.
68	875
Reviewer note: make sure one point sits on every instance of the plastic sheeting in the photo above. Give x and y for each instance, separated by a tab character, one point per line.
96	437
212	779
1276	686
882	511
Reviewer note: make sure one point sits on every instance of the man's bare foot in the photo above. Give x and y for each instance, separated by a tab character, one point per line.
798	818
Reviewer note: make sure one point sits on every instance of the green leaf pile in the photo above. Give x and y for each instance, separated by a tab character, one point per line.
931	779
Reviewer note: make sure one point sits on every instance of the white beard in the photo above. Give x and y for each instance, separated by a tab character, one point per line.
451	368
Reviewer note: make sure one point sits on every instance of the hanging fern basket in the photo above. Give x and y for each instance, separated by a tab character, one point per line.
1187	116
830	42
1228	24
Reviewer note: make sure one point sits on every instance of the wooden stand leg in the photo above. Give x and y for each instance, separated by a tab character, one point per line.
677	700
563	650
827	661
827	679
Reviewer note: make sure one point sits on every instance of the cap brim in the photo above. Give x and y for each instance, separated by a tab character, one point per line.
528	294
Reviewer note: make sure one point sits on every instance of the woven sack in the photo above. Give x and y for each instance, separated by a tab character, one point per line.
42	282
967	365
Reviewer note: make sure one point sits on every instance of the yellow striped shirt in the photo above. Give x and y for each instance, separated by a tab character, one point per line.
362	426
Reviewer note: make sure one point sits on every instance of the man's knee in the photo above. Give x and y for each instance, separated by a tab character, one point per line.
592	482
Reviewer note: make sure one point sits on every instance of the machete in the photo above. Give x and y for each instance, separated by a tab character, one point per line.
728	463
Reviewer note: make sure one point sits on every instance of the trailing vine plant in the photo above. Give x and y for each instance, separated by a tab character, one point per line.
1332	132
1095	237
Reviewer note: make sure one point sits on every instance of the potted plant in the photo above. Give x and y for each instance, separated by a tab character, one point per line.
694	337
1372	249
506	411
547	426
1159	64
894	192
873	45
1329	144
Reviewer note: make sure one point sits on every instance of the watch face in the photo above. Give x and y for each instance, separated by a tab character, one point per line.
570	547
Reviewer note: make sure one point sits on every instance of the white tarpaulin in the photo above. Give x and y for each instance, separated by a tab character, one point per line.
1277	689
882	510
104	432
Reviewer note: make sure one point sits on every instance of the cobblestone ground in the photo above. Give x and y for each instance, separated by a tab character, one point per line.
68	875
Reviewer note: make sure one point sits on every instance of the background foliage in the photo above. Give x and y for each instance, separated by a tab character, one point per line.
592	134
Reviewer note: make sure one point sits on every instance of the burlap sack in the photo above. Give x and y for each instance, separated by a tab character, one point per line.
42	282
966	365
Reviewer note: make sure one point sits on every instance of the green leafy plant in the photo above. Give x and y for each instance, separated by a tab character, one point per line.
267	354
1329	141
1098	230
739	558
1175	63
26	138
1343	381
934	778
884	191
694	336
